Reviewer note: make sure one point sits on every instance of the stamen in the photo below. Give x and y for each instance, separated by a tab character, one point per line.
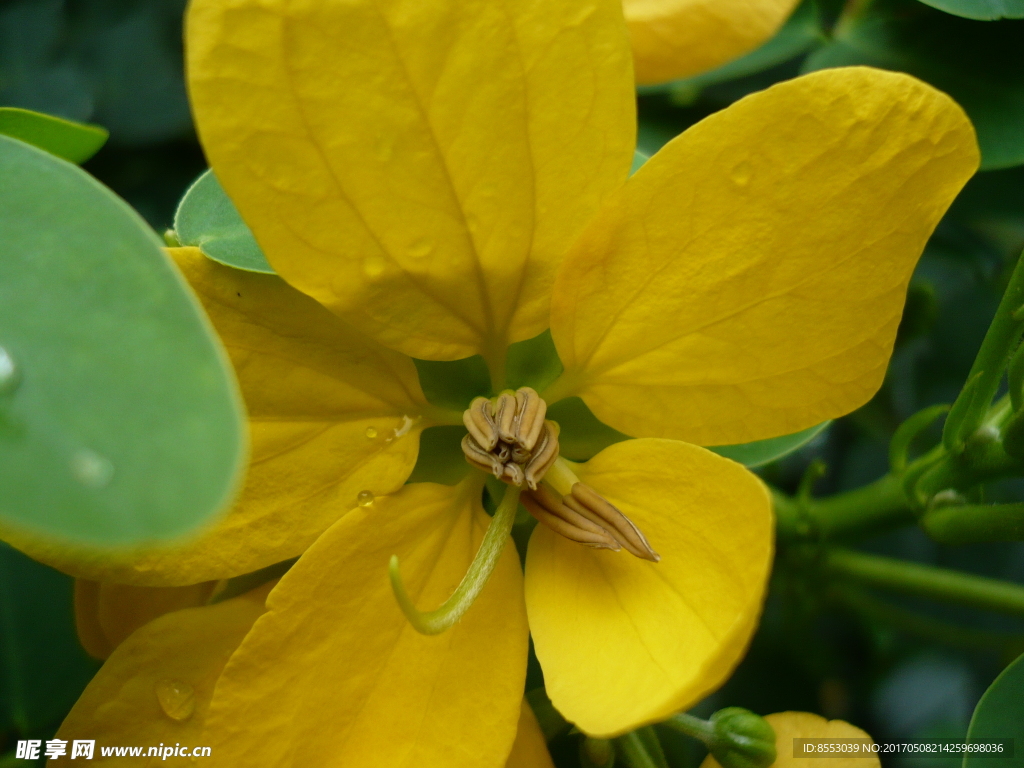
592	505
509	437
546	505
479	420
437	621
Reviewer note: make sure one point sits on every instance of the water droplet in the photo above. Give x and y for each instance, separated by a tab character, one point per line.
373	266
9	374
741	173
365	498
421	248
177	699
371	432
91	469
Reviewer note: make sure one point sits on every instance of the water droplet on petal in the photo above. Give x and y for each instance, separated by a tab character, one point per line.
373	266
741	173
177	699
421	248
91	469
371	432
9	374
365	498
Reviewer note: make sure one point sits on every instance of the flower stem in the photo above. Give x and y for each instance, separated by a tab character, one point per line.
641	749
437	621
925	581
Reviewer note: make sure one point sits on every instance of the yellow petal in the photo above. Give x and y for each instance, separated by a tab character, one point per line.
747	282
418	168
623	641
796	725
678	38
156	686
331	414
87	621
335	669
530	749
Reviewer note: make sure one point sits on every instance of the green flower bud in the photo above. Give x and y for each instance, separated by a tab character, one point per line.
742	739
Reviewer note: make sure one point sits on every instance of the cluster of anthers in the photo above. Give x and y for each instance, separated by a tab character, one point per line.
510	438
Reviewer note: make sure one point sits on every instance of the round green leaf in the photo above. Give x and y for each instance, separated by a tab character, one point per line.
75	142
1000	715
977	64
764	451
120	421
984	10
207	218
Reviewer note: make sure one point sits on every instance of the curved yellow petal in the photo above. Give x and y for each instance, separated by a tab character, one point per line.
623	641
335	669
418	168
530	749
747	282
156	686
797	725
331	414
678	38
106	614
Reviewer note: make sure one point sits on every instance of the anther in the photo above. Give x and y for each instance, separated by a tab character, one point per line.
586	517
509	437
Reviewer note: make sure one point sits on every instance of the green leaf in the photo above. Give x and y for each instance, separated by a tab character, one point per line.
639	158
764	451
983	10
582	434
43	669
1000	715
207	218
977	64
120	421
75	142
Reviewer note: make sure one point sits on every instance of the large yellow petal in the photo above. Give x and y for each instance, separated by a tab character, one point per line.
530	749
806	725
747	282
624	642
417	167
678	38
106	614
331	413
156	686
334	675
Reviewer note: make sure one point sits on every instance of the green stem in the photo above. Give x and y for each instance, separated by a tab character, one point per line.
640	749
925	581
971	523
987	371
437	621
702	730
926	627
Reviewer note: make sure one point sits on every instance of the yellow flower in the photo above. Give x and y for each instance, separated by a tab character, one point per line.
679	38
438	179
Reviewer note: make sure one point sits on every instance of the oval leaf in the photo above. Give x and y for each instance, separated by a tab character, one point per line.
120	421
75	142
207	218
1000	715
764	451
984	10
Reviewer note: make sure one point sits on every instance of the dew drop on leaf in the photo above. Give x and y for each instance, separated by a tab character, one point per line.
91	469
177	699
9	377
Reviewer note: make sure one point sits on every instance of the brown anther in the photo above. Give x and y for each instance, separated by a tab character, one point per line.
592	505
510	438
546	505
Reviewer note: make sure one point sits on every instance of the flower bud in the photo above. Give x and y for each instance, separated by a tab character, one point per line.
742	739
